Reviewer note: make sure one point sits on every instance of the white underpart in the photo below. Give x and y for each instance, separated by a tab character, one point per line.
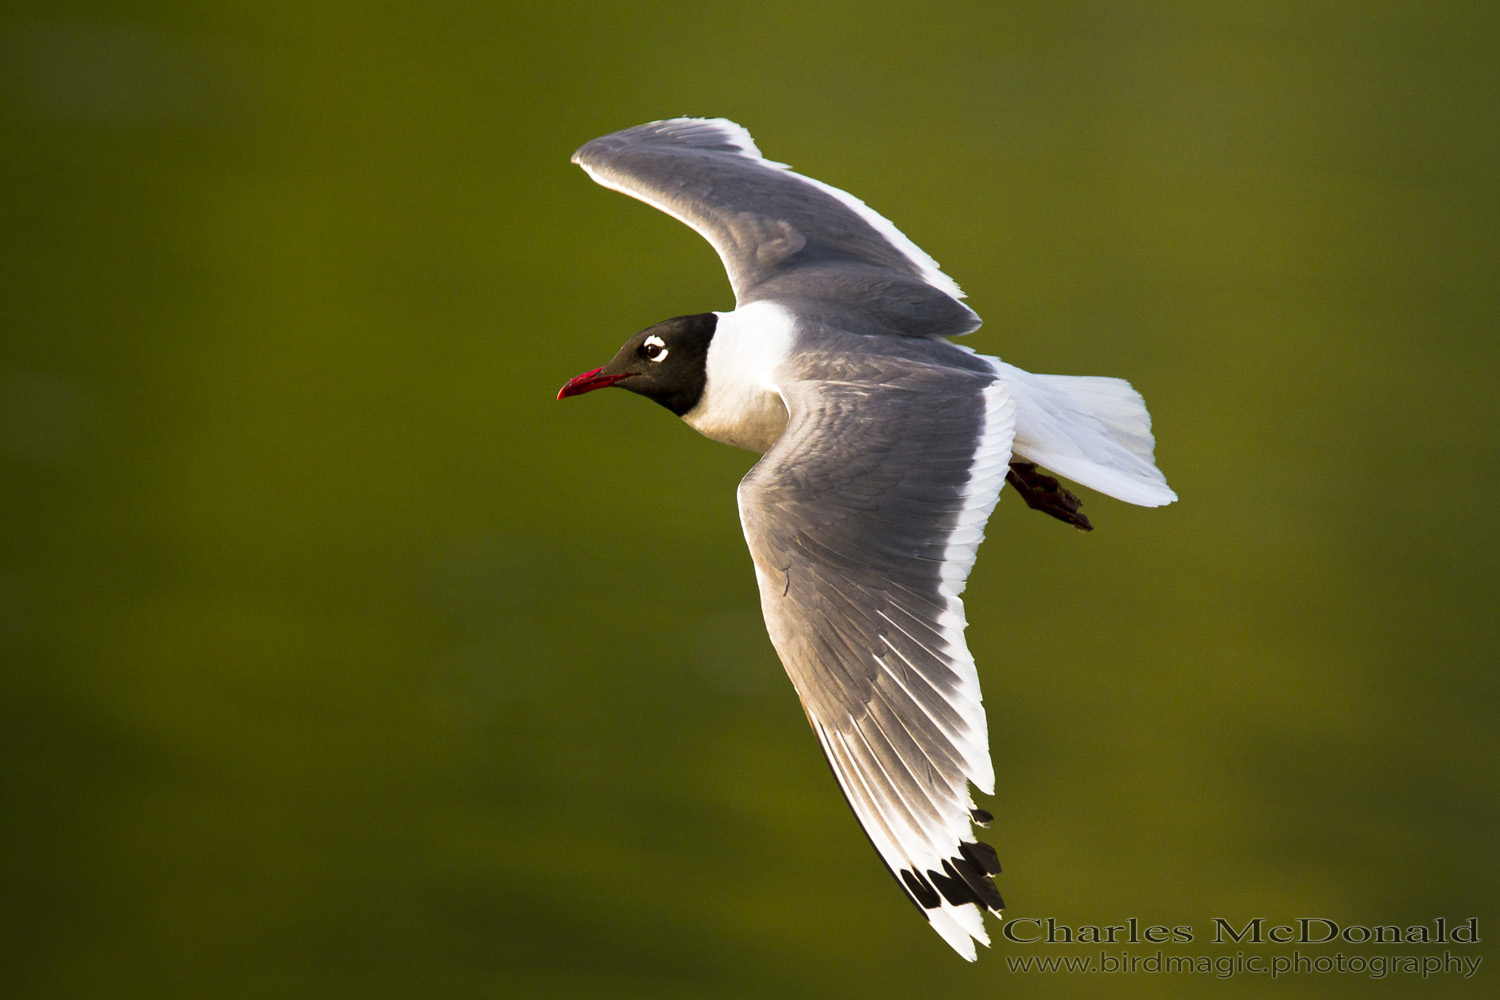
740	404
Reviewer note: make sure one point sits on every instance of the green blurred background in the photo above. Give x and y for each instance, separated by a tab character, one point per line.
340	660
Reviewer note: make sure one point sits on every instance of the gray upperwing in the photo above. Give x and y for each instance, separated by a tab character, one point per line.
781	236
862	521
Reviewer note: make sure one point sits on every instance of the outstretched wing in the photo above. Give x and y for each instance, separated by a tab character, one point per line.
863	520
781	236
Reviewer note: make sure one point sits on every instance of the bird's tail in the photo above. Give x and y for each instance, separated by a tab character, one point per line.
1092	430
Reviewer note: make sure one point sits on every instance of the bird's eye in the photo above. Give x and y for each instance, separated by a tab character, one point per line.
654	349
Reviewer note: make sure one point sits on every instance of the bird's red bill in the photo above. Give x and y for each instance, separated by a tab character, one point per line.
588	382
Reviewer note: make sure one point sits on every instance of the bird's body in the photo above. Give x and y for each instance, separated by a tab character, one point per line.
885	450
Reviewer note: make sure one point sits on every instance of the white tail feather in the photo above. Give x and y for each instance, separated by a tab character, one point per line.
1092	430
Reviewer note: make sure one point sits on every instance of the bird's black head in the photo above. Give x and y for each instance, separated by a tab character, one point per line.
667	362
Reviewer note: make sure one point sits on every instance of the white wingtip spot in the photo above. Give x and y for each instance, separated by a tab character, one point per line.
960	926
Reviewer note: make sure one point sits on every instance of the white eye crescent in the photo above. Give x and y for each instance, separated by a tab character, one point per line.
654	349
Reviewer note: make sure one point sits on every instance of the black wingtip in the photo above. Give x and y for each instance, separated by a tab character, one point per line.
962	882
922	891
981	856
967	878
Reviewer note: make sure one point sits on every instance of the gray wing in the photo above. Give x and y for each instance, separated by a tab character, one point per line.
863	520
781	236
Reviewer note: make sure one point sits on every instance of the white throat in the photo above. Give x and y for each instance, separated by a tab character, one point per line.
741	404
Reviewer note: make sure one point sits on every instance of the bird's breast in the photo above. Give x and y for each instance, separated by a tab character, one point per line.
740	404
752	420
